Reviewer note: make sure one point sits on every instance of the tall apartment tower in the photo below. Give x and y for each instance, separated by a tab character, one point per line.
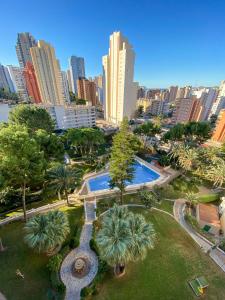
24	42
68	75
77	70
120	92
48	73
173	93
219	132
87	90
65	87
16	75
5	79
31	83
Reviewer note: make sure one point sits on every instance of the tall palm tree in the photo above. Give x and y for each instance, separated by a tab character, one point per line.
216	172
47	232
124	237
186	156
63	178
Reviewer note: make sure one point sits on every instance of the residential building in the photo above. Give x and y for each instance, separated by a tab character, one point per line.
87	90
165	95
183	110
5	79
99	81
31	83
68	75
141	92
158	107
220	101
152	93
120	92
24	42
48	73
65	87
4	112
77	70
16	75
72	116
173	93
180	93
219	132
145	103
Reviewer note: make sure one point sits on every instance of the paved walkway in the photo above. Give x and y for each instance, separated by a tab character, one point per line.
205	245
2	297
75	285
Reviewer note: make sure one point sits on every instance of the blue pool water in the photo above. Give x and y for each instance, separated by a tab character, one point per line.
142	175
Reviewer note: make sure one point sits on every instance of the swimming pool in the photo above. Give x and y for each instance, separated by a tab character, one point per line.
142	174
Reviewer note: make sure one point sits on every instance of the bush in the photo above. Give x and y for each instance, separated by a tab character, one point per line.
94	246
56	282
74	243
54	263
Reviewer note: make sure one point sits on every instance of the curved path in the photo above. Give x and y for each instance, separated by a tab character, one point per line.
74	285
217	255
2	297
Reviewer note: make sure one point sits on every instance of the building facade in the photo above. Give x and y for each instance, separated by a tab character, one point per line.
219	132
5	80
65	87
48	73
31	83
120	92
87	90
16	75
173	93
72	116
77	70
24	42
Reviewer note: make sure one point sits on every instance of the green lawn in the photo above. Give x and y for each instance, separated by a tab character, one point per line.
164	274
208	198
36	283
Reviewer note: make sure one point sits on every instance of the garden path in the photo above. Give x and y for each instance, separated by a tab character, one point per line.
73	284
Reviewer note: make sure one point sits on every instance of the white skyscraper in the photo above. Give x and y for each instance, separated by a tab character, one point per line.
65	87
220	101
120	91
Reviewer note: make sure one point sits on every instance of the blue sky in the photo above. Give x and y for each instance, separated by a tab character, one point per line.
176	41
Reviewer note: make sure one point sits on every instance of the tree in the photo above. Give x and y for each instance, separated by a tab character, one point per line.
148	198
46	232
21	161
2	248
186	156
32	117
63	179
191	198
50	144
124	237
147	130
122	157
215	172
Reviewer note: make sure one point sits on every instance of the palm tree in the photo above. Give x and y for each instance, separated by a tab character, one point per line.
186	156
124	237
191	198
47	232
148	198
216	172
63	179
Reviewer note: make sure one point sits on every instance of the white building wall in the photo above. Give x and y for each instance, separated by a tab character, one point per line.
16	75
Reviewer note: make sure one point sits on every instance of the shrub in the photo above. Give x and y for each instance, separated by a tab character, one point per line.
93	246
56	282
74	242
54	263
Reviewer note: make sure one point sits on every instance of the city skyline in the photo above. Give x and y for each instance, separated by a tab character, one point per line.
182	50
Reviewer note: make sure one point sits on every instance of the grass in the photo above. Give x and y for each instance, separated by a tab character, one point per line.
208	198
165	272
36	282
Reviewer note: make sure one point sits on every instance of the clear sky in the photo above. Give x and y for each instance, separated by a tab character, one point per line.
176	41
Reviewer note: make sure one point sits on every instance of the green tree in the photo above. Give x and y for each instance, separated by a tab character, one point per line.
124	237
21	161
32	117
63	179
122	157
147	130
46	232
215	172
148	198
186	156
50	144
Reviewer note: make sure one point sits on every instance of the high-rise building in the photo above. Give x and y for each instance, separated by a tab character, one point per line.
65	87
120	92
68	75
31	83
77	70
24	42
219	132
5	79
180	93
152	93
87	90
183	110
141	92
16	75
99	81
48	73
173	93
220	100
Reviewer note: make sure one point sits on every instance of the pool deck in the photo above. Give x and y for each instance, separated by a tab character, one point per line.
166	175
